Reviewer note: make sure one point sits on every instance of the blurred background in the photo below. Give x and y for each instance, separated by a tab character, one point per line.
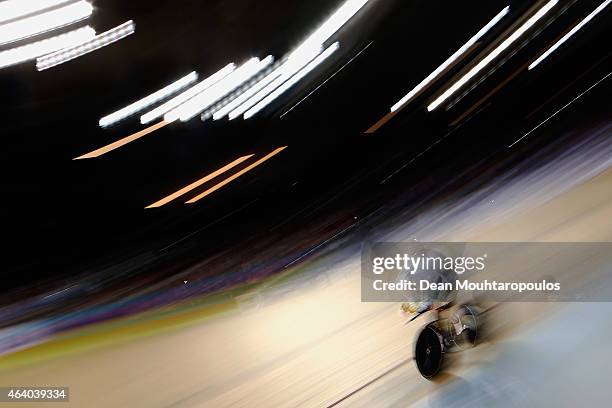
181	232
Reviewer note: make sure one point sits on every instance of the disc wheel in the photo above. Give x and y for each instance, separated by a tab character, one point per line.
428	353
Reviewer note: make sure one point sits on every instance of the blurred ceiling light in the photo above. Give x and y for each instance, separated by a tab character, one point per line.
569	34
236	175
99	41
199	182
316	40
122	142
149	100
296	60
41	23
424	83
216	92
188	94
281	75
36	49
14	9
219	114
293	80
492	55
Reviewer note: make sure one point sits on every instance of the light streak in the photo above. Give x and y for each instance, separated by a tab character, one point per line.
14	9
122	142
236	175
431	77
561	109
326	30
149	100
292	81
188	94
199	182
492	55
216	92
246	95
280	75
41	23
36	49
569	34
328	79
99	41
296	60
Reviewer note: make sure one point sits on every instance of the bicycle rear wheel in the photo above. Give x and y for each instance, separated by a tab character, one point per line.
428	352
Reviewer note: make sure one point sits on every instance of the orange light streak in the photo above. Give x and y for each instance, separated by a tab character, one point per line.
236	175
198	183
122	142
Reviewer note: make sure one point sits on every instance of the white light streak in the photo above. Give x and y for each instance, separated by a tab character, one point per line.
329	27
101	40
246	95
296	60
149	100
216	92
492	55
569	34
188	94
293	80
14	9
36	49
40	23
561	109
280	75
329	78
424	83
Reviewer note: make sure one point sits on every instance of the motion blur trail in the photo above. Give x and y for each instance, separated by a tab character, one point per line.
314	344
